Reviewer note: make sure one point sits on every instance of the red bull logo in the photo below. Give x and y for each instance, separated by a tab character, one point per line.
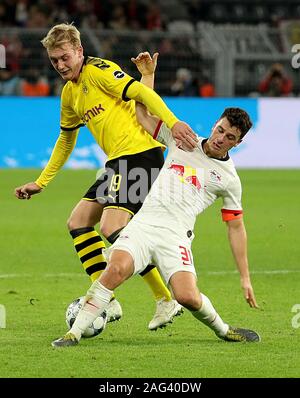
187	174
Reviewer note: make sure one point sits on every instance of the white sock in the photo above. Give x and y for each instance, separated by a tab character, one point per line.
96	301
209	316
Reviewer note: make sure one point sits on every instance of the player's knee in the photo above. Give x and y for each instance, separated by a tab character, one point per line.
71	224
189	300
107	230
76	221
118	271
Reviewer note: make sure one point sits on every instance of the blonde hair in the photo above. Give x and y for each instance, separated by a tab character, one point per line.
61	34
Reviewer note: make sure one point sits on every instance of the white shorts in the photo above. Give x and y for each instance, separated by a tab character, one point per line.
168	249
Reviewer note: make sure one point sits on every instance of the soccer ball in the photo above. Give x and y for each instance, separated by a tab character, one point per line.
95	328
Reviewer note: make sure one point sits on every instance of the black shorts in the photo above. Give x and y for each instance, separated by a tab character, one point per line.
126	181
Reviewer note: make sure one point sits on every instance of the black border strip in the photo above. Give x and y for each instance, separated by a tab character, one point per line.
124	98
72	128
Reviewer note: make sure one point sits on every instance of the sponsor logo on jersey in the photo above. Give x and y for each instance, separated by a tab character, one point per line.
90	113
118	74
187	174
215	176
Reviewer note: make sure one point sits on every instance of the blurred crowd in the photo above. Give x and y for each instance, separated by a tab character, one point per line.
142	14
182	70
107	14
276	83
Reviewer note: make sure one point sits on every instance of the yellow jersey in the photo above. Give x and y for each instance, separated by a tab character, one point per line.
100	99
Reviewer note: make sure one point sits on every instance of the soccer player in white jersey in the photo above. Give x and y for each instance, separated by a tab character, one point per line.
162	230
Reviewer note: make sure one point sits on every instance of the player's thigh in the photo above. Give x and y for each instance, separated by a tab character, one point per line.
173	254
113	219
185	290
134	239
86	213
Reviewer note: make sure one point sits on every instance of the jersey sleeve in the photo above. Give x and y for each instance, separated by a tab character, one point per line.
109	77
69	121
232	201
61	152
153	102
163	134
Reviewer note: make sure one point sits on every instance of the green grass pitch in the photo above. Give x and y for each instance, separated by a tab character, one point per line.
40	275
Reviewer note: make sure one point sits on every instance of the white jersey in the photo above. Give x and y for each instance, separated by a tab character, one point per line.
188	183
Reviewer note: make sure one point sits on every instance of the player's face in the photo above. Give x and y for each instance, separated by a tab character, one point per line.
223	138
67	61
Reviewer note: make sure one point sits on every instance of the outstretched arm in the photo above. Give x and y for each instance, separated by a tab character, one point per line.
181	131
146	66
61	152
238	241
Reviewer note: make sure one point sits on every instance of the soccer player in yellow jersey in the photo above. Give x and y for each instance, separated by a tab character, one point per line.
97	94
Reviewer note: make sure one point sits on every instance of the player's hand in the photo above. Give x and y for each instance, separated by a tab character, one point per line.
249	294
145	64
183	133
27	190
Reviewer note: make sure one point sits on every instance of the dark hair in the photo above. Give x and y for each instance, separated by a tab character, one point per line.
239	118
275	74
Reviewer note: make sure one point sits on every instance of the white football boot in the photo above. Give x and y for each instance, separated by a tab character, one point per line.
164	314
114	311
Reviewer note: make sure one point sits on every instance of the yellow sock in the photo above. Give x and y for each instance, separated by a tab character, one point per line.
156	284
89	246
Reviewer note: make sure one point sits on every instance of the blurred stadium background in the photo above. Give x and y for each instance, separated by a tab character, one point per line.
208	50
228	44
213	54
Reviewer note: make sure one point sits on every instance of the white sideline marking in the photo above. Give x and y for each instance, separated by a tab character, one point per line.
6	276
266	272
61	275
67	275
64	274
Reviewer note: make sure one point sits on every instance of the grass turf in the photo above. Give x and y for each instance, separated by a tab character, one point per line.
40	275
